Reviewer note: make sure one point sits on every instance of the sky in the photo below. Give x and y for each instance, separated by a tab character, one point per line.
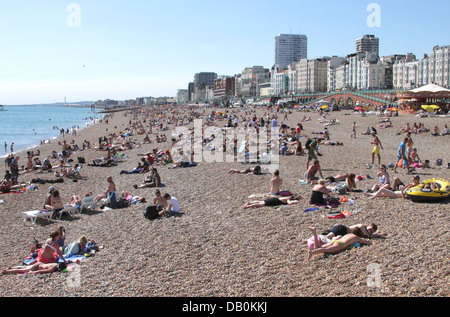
88	50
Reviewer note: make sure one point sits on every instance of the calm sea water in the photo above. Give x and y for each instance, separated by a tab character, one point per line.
27	126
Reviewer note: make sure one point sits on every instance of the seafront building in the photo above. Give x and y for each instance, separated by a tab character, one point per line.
367	44
294	74
290	48
410	73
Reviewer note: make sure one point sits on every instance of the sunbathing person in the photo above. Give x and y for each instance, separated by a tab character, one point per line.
338	244
153	179
275	183
384	192
76	248
274	201
56	204
36	268
370	231
132	199
50	251
318	192
5	185
338	178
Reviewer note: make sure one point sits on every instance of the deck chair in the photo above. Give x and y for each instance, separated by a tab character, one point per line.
68	209
36	214
87	203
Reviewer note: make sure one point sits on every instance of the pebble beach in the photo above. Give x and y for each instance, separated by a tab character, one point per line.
215	247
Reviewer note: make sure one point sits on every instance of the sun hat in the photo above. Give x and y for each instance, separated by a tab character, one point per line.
51	188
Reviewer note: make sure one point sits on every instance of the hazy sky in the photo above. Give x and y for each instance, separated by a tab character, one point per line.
98	49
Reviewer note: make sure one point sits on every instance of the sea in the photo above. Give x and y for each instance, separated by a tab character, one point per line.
28	126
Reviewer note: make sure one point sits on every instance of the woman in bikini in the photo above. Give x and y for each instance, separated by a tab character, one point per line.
50	250
338	245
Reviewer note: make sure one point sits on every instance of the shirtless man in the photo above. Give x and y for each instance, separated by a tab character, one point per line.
376	149
275	183
111	188
312	171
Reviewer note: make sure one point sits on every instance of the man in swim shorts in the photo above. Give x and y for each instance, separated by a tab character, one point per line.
376	149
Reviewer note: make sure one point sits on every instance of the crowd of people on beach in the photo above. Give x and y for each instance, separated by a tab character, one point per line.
153	124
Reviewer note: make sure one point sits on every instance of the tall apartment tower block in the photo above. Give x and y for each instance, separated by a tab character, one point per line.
290	48
368	43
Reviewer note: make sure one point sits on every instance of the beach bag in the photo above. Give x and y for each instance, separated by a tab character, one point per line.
439	162
307	145
332	201
257	170
340	189
81	160
151	213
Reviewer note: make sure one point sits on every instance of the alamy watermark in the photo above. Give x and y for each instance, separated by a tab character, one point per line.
74	18
374	276
229	144
374	18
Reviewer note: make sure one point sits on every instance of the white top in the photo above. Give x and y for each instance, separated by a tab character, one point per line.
174	205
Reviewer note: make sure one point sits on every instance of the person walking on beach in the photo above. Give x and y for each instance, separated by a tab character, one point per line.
376	148
6	148
401	155
14	168
354	130
12	147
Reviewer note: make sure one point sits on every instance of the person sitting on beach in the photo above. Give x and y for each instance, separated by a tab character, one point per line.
72	172
76	200
50	251
111	188
153	179
6	183
159	200
383	180
318	192
142	167
367	132
172	207
275	183
284	150
56	204
76	248
36	268
350	183
274	201
312	171
436	131
446	131
339	244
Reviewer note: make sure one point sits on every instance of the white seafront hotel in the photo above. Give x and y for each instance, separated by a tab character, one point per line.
410	73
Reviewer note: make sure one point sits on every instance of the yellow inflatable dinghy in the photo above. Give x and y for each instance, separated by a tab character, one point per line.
431	190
